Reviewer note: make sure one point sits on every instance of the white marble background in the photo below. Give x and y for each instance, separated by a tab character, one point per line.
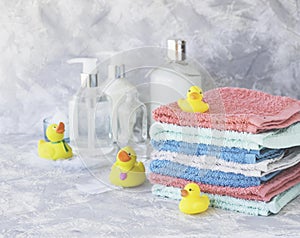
246	43
253	44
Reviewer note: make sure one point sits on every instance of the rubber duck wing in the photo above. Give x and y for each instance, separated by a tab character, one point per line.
205	106
140	166
205	199
45	150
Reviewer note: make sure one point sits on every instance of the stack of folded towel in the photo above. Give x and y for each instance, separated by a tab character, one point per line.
244	153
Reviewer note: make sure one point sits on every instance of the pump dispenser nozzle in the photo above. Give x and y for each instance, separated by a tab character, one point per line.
88	76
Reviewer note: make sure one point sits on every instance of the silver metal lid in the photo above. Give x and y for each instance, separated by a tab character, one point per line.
89	80
116	71
176	50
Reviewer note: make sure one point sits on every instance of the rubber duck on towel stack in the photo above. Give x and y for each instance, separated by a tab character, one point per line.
243	152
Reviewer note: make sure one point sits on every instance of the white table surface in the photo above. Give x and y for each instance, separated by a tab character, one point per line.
42	198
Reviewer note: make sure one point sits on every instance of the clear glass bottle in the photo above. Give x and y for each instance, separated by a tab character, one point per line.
90	114
116	89
171	81
131	121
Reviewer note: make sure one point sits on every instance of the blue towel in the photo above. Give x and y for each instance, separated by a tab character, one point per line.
219	178
232	154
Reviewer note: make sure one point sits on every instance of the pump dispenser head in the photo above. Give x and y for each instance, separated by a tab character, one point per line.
176	50
116	71
88	76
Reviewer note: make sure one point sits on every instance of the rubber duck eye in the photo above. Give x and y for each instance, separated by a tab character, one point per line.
129	154
189	91
190	189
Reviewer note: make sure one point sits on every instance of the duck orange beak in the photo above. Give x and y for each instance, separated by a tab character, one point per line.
194	96
184	193
123	156
61	128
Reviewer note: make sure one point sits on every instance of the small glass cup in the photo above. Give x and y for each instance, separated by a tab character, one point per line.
49	120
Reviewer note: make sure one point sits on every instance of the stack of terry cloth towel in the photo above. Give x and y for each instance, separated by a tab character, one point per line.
244	152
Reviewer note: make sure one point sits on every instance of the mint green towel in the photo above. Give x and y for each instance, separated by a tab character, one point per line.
282	138
250	207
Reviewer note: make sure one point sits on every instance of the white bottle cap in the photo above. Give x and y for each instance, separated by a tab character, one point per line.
176	50
88	76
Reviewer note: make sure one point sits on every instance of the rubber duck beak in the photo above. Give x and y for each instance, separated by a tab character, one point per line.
123	156
184	193
194	96
61	128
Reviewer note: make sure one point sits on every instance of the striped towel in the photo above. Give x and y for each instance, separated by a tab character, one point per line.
233	154
259	169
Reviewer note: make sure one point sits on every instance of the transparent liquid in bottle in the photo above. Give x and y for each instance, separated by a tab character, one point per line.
131	121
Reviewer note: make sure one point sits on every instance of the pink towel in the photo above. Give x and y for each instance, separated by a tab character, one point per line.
236	109
263	192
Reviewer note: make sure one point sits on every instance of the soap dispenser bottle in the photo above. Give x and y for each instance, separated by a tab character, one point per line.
171	81
131	121
117	88
90	113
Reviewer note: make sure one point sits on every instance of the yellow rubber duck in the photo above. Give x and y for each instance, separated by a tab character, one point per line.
57	148
193	101
192	202
126	171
